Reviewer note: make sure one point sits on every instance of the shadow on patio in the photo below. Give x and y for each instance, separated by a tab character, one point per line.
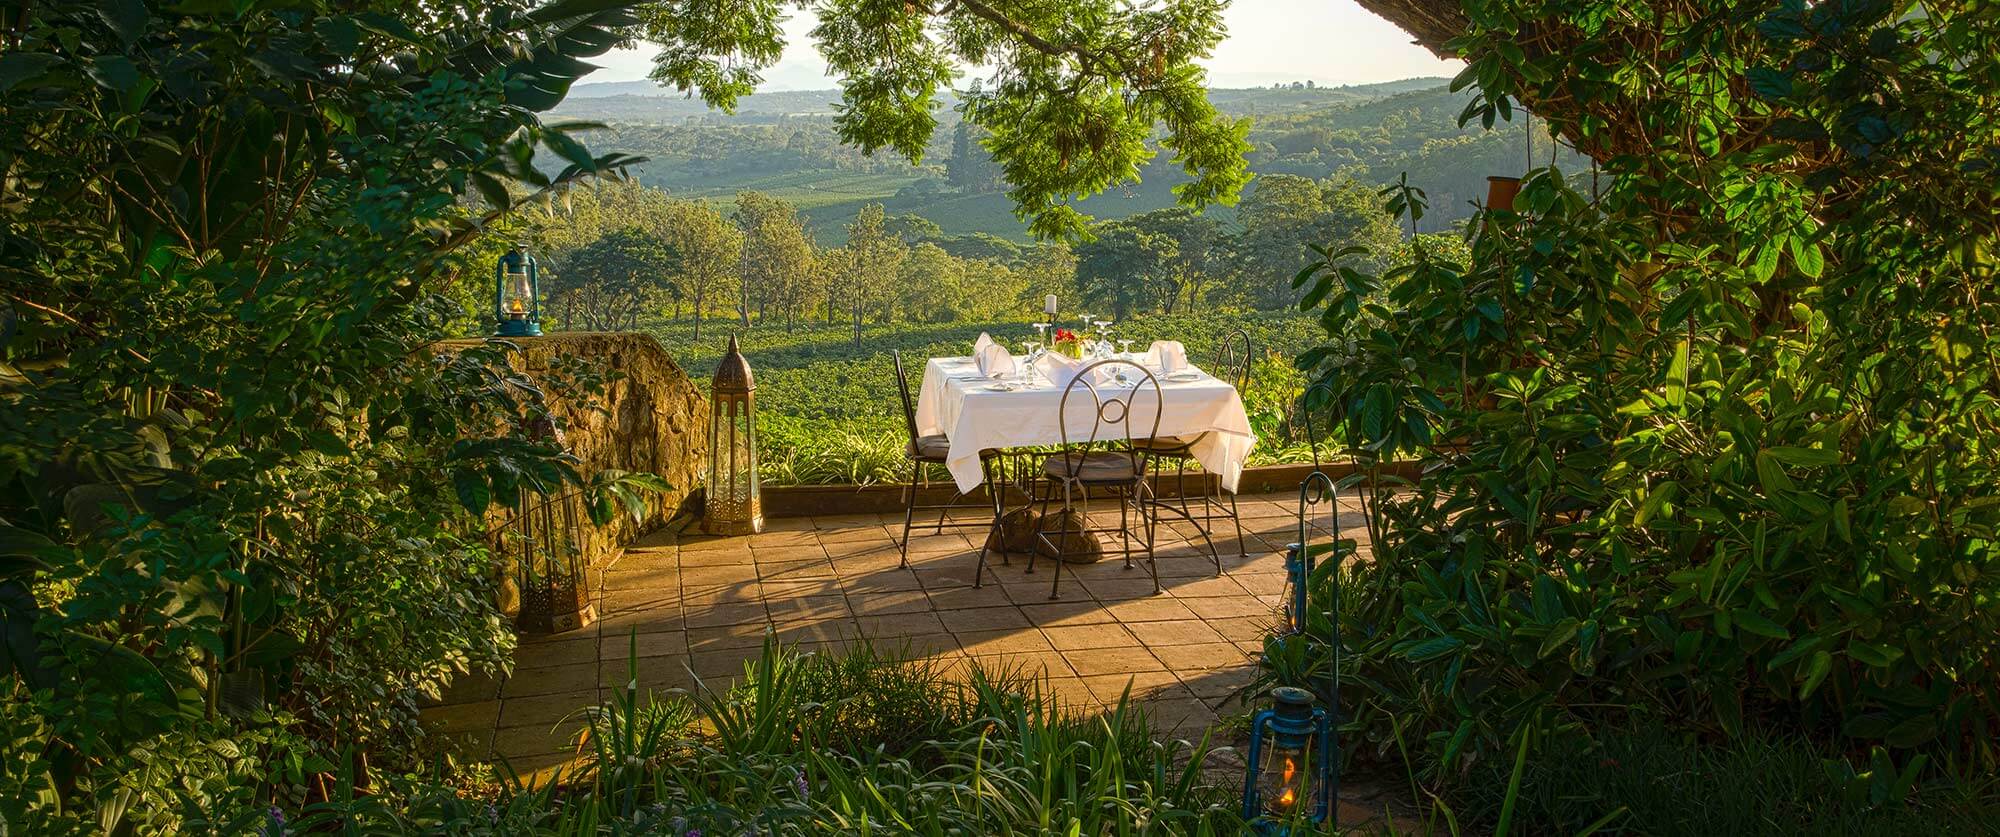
699	607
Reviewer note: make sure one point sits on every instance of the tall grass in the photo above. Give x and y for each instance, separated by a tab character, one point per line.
863	742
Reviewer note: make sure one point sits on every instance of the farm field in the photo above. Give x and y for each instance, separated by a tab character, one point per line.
828	412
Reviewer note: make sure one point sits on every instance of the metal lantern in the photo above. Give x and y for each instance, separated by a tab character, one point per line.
1289	780
734	506
517	307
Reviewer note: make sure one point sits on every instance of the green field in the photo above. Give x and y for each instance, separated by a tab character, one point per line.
829	411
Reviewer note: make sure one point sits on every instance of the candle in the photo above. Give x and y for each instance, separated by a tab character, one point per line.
1049	305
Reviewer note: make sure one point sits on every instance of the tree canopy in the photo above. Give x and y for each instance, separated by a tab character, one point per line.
1075	92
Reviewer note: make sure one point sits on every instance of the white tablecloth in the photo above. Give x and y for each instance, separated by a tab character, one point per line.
955	402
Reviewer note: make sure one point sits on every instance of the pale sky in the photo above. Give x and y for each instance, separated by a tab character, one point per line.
1331	42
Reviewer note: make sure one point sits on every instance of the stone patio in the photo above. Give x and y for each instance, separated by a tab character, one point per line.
698	607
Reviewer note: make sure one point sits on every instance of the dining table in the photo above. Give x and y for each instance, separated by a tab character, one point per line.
976	413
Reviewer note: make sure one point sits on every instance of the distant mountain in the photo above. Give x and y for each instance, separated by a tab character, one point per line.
646	102
784	143
599	89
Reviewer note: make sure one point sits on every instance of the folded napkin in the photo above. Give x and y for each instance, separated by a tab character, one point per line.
1063	369
994	360
980	344
1058	368
1169	355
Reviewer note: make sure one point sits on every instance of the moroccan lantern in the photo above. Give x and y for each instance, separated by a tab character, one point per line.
734	507
517	307
1289	779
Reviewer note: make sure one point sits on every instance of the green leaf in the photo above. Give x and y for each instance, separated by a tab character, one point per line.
1677	376
473	492
1871	654
1430	649
115	72
1815	673
1756	623
1769	83
127	18
1656	500
19	67
1805	457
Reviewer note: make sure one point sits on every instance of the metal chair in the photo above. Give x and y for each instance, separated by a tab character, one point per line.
1104	461
924	451
1232	364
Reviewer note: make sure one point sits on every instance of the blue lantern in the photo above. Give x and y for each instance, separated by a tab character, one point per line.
1292	776
1290	780
517	306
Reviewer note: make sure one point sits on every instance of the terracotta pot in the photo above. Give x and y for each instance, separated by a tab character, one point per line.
1500	192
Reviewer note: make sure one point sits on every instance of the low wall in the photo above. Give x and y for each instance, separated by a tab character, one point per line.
651	419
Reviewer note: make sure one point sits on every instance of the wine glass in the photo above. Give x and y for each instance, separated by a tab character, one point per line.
1125	346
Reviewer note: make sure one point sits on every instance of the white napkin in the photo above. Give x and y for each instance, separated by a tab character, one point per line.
1169	355
1063	369
1058	368
994	360
981	344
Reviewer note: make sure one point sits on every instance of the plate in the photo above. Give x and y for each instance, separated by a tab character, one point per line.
1184	376
1002	386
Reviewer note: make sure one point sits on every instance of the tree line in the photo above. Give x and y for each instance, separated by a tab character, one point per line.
616	254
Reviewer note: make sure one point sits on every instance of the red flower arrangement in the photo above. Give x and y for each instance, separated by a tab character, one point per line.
1068	343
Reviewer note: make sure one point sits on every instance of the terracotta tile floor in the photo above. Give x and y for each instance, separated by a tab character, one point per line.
698	607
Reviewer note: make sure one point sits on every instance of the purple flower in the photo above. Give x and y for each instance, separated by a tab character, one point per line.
799	784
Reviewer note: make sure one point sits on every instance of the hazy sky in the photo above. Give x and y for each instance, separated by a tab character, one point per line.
1328	41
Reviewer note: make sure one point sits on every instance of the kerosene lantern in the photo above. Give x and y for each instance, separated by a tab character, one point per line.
1288	782
517	307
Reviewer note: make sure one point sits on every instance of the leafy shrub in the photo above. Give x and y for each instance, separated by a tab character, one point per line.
1664	785
236	480
1706	449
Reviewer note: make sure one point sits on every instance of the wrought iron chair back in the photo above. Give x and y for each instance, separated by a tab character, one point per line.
1233	356
903	390
1108	409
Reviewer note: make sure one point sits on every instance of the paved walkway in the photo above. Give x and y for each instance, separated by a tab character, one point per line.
700	606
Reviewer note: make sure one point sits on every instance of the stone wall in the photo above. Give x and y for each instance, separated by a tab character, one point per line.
652	419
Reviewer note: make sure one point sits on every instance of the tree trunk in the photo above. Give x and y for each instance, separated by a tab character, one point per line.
1433	22
698	311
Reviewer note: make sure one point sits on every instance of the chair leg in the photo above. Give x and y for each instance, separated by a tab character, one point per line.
1125	527
1242	548
1152	561
994	495
1055	587
1037	551
1180	489
910	512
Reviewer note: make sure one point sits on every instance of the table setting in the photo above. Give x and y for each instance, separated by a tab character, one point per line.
992	399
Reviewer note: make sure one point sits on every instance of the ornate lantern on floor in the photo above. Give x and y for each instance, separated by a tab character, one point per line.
734	506
517	307
1289	782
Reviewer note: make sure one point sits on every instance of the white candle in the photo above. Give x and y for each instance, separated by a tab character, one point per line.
1049	305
